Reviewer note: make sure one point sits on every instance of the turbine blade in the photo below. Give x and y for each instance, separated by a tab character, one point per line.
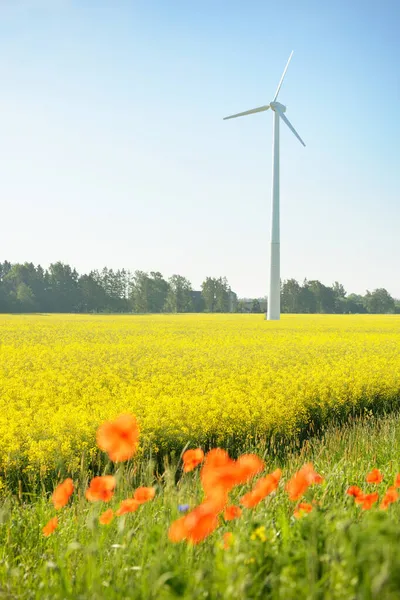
248	112
288	123
282	78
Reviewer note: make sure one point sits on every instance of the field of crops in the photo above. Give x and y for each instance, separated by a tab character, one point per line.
199	379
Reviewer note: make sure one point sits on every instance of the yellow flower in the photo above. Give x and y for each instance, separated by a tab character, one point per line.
259	534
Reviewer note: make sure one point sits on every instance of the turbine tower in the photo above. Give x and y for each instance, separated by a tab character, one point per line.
274	296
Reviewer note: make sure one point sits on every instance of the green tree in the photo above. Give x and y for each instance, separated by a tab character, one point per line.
222	295
63	288
379	302
158	291
324	297
208	293
291	296
256	307
179	297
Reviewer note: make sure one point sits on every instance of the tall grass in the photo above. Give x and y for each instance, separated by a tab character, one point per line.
337	551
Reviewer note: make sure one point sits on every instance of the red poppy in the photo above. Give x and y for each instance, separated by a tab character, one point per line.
301	509
177	530
106	517
62	493
228	539
232	512
301	481
220	471
101	489
390	497
119	438
397	480
375	476
192	458
195	526
144	494
263	487
50	527
367	500
127	506
355	491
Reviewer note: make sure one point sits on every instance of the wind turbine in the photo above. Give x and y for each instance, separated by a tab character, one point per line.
274	297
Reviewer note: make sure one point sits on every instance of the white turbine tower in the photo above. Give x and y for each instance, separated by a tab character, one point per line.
274	297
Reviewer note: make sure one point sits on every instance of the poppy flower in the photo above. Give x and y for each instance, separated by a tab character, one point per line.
301	481
106	517
227	540
177	531
263	487
144	494
367	500
355	491
247	466
192	458
50	527
220	471
390	496
302	509
195	526
62	493
119	438
127	506
375	476
217	498
101	489
232	512
397	480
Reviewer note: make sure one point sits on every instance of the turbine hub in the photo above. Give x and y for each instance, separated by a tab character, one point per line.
275	105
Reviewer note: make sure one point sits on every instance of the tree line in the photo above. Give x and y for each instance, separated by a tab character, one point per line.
61	289
315	297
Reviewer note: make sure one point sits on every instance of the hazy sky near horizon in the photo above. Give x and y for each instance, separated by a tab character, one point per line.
113	150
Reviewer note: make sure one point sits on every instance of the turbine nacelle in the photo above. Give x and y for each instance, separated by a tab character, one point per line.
278	107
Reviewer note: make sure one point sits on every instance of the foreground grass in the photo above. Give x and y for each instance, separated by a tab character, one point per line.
337	551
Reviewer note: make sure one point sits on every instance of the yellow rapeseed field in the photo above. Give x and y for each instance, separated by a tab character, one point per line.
188	378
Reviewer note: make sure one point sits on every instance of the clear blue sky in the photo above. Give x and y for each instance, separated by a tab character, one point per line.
113	150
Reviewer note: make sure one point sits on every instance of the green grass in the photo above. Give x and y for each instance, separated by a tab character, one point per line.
335	552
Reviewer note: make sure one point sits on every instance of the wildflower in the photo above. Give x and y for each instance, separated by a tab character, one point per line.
263	487
302	509
177	531
127	506
247	466
355	491
259	533
183	507
195	526
397	480
227	540
220	471
375	476
106	517
192	458
62	493
390	496
101	488
232	512
50	527
367	500
119	438
144	494
301	481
